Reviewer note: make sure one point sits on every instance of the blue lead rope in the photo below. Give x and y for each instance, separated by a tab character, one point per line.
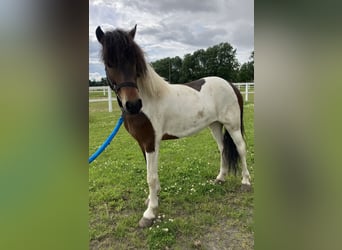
107	142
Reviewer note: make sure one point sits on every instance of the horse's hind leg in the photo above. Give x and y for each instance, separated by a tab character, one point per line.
240	144
216	131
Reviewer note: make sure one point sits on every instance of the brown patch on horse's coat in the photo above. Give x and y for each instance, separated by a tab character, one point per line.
197	84
200	114
169	137
240	101
140	127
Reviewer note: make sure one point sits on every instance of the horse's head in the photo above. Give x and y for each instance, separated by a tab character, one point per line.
124	63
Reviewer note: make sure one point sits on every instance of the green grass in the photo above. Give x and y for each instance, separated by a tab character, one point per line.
98	94
193	211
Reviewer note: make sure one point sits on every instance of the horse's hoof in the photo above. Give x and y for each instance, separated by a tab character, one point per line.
145	222
246	188
218	181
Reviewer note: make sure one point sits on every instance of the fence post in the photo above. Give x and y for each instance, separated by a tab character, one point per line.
104	91
110	108
246	92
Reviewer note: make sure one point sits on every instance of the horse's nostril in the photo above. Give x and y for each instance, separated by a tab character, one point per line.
129	105
133	107
139	104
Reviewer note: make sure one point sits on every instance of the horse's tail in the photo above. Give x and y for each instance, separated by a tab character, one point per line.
230	153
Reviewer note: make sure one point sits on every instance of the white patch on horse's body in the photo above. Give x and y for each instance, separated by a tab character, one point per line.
177	113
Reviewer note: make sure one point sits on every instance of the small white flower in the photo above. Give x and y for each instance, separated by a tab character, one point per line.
165	229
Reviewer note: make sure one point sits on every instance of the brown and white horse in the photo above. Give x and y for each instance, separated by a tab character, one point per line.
154	110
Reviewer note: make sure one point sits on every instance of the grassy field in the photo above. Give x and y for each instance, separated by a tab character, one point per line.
98	94
194	213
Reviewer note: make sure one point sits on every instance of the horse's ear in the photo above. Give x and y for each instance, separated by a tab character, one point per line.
99	34
132	32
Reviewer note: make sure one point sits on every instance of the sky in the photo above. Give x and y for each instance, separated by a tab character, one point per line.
169	28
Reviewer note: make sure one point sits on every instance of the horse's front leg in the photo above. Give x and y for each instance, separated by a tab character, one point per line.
154	187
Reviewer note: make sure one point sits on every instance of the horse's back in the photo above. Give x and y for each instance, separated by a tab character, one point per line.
219	89
216	81
210	84
223	96
211	90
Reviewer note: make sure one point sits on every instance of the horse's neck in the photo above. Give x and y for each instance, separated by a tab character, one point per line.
152	84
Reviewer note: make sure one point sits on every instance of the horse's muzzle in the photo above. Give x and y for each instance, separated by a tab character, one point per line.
133	107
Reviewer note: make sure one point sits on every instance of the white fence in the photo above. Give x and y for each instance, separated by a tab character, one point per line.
104	93
105	96
246	87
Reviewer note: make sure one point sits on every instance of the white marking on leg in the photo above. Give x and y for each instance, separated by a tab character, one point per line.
153	183
241	148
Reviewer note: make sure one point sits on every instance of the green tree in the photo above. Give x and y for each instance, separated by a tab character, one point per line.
219	60
102	82
199	64
246	73
162	67
226	62
175	70
187	69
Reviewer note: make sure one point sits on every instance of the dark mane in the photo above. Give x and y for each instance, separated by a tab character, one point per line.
119	49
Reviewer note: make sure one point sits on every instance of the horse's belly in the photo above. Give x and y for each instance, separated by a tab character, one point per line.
185	132
185	125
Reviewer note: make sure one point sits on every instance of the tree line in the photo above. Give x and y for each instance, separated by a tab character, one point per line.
219	60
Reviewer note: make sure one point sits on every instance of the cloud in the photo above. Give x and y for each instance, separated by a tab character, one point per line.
95	76
176	27
174	5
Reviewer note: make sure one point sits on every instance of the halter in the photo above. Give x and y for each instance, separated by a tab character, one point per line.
116	87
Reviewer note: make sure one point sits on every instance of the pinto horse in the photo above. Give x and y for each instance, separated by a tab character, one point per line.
154	110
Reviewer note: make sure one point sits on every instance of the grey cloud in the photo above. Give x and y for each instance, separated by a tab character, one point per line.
166	6
175	27
243	35
94	50
179	32
220	10
97	67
